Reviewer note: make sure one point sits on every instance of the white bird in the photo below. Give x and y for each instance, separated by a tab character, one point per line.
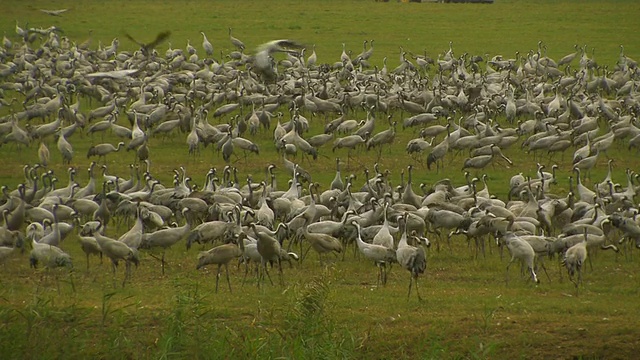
115	74
58	12
521	250
206	45
379	254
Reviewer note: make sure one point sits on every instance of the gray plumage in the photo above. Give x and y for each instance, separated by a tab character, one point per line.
263	61
379	254
65	149
574	258
102	150
206	45
522	251
49	256
165	238
270	251
117	251
221	256
412	258
90	246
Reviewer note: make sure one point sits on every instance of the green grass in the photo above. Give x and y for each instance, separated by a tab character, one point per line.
334	312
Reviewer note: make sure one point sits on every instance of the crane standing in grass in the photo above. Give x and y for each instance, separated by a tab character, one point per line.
384	137
206	44
412	258
573	259
116	251
165	238
521	250
321	243
381	255
222	255
270	250
49	255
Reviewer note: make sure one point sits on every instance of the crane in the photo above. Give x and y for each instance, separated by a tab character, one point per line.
270	250
412	258
379	254
236	42
206	45
165	238
384	137
263	61
117	251
102	150
522	251
221	255
321	243
574	258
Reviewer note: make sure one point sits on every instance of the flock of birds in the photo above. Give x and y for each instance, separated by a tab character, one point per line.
54	88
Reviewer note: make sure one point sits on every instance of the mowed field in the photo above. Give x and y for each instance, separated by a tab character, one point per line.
334	310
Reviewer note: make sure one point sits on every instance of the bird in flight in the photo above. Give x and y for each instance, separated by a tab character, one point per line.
263	60
54	12
149	46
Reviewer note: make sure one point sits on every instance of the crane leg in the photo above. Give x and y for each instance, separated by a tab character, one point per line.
280	271
218	277
533	275
545	269
259	273
113	266
246	271
226	268
579	276
384	274
305	253
506	277
162	260
411	283
127	267
264	269
572	280
560	270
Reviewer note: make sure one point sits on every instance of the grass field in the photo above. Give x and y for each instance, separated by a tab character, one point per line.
333	311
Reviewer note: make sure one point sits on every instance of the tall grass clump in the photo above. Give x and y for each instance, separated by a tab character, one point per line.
186	332
309	331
